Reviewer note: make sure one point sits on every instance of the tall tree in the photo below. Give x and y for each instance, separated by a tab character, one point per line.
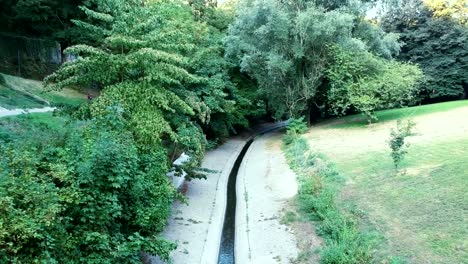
285	47
437	43
452	9
47	19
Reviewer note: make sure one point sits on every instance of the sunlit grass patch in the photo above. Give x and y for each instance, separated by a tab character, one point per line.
359	120
422	207
20	89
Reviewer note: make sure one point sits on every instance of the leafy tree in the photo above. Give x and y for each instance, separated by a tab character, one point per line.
437	43
219	93
140	64
365	82
452	9
284	46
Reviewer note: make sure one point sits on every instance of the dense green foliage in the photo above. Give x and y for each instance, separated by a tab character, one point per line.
101	187
365	82
294	129
163	68
81	194
47	19
174	77
436	40
285	46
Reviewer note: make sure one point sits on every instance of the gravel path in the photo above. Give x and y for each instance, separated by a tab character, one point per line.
12	112
265	183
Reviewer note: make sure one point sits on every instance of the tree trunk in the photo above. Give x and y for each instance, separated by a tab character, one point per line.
309	114
465	91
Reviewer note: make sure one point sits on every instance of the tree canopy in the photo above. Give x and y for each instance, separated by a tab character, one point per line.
285	46
435	39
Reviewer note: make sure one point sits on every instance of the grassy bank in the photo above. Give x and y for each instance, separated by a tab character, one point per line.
336	221
31	126
360	121
17	92
419	210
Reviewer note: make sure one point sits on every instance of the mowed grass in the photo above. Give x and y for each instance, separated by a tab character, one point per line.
18	92
422	209
360	120
11	99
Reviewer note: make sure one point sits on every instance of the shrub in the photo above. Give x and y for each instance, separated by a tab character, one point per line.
397	140
294	128
91	197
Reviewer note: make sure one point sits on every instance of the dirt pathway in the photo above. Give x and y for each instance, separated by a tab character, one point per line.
264	185
13	112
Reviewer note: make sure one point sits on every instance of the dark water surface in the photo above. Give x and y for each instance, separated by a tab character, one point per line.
226	251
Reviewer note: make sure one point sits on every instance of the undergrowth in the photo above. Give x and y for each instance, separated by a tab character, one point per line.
319	186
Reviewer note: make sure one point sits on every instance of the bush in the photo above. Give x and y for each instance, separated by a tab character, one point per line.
397	140
91	197
294	128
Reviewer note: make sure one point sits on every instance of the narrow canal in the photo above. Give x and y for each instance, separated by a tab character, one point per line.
226	251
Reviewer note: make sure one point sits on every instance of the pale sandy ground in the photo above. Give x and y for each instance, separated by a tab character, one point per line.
265	185
353	142
197	227
5	112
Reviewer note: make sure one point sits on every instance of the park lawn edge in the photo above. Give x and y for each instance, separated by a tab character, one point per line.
338	223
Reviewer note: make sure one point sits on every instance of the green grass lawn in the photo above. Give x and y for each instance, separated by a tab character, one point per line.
360	120
11	99
421	210
24	93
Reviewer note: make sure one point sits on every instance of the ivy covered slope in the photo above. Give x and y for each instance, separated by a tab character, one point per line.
94	189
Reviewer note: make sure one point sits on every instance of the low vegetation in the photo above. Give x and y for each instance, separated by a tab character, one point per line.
419	212
397	140
88	183
335	221
17	92
58	194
